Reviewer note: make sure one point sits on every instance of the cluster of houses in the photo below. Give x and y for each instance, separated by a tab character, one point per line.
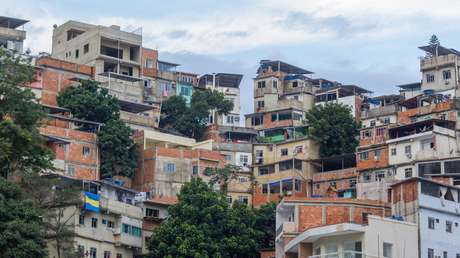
396	196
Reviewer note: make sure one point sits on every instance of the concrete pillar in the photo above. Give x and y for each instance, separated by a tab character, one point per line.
305	250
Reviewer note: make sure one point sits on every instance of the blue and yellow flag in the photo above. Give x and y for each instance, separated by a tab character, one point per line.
92	202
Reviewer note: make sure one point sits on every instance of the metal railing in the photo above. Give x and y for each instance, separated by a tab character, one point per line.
344	254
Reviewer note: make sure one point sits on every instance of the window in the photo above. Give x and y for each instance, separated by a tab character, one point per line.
352	183
119	255
298	149
431	222
243	179
229	119
104	222
244	159
77	53
408	150
110	224
155	213
149	63
387	250
408	172
393	151
377	154
243	199
261	84
430	253
448	226
228	157
70	170
367	177
106	254
379	176
92	252
426	144
94	222
81	219
446	75
430	78
284	152
386	120
260	104
229	199
264	188
275	84
85	48
429	168
297	185
364	155
295	84
372	123
366	134
169	167
86	151
195	170
380	131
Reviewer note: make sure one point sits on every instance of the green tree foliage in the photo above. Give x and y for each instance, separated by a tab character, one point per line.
21	233
333	127
222	176
118	150
191	120
90	102
22	149
202	224
265	224
434	41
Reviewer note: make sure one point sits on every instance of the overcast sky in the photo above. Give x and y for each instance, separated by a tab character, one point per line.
370	43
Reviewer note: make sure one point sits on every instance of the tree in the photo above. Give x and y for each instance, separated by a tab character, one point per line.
90	102
22	235
192	121
265	224
118	150
222	176
202	224
22	149
333	127
434	41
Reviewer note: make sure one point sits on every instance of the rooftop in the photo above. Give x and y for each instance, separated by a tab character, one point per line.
439	50
12	23
230	80
277	65
347	90
414	85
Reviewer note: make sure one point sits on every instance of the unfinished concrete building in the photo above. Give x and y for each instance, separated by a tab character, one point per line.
12	33
116	56
229	85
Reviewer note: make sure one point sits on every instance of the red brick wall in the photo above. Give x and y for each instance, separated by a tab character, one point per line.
259	198
409	191
310	217
85	166
153	55
371	162
404	117
56	79
324	179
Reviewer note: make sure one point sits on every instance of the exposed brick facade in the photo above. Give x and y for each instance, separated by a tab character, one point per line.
150	55
323	180
55	75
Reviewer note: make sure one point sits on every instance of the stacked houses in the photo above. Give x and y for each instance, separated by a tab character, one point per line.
397	195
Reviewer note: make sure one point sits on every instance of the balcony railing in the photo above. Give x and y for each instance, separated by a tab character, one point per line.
426	63
132	118
121	208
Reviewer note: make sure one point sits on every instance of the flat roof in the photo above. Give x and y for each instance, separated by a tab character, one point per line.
121	76
74	119
133	107
438	49
347	88
283	67
426	180
413	85
12	23
168	63
231	80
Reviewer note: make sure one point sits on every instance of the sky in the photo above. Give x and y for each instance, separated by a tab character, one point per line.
370	43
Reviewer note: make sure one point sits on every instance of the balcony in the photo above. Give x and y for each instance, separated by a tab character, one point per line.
12	34
123	87
137	119
438	61
233	146
121	208
122	238
167	75
259	92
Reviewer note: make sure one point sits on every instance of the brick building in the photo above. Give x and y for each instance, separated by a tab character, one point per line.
309	227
